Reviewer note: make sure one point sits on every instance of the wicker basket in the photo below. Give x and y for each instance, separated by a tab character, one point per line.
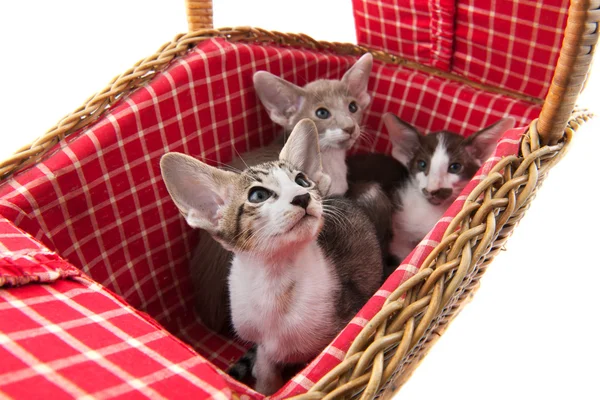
84	210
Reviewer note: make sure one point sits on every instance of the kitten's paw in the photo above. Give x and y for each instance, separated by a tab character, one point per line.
269	386
268	377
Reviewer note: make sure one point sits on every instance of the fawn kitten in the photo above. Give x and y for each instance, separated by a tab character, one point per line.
336	108
424	175
303	265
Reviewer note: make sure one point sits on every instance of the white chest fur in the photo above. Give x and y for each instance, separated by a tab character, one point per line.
287	308
413	221
334	164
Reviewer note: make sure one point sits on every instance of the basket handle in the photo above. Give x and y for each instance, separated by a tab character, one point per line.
199	14
581	36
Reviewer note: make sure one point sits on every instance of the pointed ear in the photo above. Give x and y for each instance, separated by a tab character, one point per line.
302	151
404	138
197	189
281	98
482	144
357	79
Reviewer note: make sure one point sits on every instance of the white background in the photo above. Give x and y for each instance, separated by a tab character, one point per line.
532	329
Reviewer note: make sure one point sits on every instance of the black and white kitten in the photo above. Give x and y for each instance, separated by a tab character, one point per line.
422	177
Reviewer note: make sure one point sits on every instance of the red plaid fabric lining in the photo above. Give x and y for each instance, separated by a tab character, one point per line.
512	44
98	200
73	339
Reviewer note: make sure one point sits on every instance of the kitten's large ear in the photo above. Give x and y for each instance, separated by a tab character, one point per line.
404	138
302	151
197	189
357	79
481	144
281	98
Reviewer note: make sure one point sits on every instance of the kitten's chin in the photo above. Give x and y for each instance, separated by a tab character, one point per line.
303	230
439	202
307	226
347	144
337	139
435	202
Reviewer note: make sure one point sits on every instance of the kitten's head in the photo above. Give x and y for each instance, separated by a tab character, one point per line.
335	106
442	163
262	210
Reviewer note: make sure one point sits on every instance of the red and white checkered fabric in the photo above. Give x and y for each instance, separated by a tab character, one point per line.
98	201
74	339
512	44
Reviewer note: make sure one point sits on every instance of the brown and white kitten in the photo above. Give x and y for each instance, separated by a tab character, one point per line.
336	107
303	265
424	175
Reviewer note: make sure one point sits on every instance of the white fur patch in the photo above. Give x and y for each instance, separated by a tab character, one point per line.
438	176
334	164
288	189
278	214
416	218
333	138
296	331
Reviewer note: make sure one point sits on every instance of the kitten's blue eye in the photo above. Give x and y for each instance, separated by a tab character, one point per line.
422	165
352	107
258	194
455	168
322	113
302	181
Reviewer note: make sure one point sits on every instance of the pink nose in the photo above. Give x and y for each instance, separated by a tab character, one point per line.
349	130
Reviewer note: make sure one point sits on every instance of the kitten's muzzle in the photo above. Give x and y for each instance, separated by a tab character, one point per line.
302	200
438	196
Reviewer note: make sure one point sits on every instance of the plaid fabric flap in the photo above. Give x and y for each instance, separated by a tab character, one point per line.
23	259
75	339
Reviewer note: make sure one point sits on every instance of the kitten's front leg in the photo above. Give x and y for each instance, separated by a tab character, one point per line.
267	373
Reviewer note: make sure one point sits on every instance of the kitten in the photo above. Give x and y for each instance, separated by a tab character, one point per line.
336	107
424	175
303	265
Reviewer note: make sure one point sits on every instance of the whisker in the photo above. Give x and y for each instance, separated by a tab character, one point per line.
253	236
369	139
338	220
222	165
335	213
239	156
